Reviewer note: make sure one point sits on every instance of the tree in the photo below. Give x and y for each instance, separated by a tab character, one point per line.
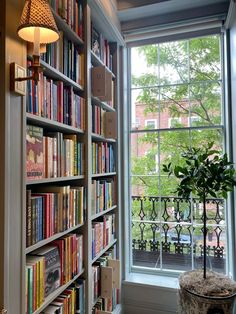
182	79
205	173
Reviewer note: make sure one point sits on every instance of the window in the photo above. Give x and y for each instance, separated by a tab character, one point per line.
178	93
174	122
136	124
194	121
151	123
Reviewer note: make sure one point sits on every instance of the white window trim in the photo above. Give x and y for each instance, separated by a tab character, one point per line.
190	120
142	272
151	120
177	119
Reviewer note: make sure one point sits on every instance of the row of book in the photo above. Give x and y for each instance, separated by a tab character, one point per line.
71	11
106	282
51	99
103	158
103	233
66	57
98	120
102	195
101	48
53	209
104	122
50	267
71	301
53	155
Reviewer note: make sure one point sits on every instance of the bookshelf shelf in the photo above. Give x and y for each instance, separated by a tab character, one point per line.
56	293
48	240
70	34
97	62
103	251
57	75
54	125
108	174
101	138
94	302
104	105
53	180
103	212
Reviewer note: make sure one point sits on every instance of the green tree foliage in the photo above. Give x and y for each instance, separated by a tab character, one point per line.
181	79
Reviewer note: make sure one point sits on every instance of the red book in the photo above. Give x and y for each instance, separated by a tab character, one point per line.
60	102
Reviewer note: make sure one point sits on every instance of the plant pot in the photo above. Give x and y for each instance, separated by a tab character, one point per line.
194	303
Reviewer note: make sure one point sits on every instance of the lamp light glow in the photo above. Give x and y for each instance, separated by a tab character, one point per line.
37	14
38	27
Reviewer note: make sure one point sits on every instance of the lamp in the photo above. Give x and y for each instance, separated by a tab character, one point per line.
37	26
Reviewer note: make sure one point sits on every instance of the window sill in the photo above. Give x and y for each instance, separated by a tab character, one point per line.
155	281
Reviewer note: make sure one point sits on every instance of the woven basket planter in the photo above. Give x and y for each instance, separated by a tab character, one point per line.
194	303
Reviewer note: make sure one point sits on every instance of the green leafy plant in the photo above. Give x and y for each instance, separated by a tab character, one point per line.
205	173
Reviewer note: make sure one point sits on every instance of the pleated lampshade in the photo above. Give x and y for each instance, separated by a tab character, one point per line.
37	13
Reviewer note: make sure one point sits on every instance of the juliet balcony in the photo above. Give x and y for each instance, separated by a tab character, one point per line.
167	233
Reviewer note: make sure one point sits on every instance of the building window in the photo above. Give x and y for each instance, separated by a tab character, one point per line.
151	123
174	122
136	124
194	121
178	93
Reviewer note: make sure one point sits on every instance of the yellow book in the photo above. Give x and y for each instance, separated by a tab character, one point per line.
73	153
42	280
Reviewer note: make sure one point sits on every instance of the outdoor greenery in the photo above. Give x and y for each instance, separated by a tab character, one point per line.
182	79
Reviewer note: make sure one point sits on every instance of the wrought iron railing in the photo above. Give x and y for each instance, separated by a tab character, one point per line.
167	231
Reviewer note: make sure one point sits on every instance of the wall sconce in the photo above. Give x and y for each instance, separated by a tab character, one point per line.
37	26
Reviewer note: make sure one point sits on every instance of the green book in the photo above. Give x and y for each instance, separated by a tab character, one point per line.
30	289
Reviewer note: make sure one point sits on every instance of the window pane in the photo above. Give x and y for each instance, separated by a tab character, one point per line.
176	247
205	102
173	62
204	56
144	66
144	108
174	106
202	137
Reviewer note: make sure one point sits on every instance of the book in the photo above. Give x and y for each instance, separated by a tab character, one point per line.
34	152
52	267
102	83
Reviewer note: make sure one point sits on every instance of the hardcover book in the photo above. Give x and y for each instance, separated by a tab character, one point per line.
52	267
34	151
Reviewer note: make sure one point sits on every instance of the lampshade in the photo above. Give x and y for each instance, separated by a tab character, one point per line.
37	13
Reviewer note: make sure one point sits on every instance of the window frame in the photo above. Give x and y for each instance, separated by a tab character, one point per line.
230	269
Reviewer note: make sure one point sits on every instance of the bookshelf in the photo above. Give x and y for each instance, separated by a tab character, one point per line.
87	137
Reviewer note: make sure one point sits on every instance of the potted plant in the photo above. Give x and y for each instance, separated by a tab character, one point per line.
205	173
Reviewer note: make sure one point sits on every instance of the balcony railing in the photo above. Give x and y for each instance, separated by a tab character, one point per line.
167	233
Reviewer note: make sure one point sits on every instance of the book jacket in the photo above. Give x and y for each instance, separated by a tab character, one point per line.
34	152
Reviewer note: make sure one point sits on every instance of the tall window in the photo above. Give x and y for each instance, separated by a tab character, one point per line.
179	86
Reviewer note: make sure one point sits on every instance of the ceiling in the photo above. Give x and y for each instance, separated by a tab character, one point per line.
144	13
